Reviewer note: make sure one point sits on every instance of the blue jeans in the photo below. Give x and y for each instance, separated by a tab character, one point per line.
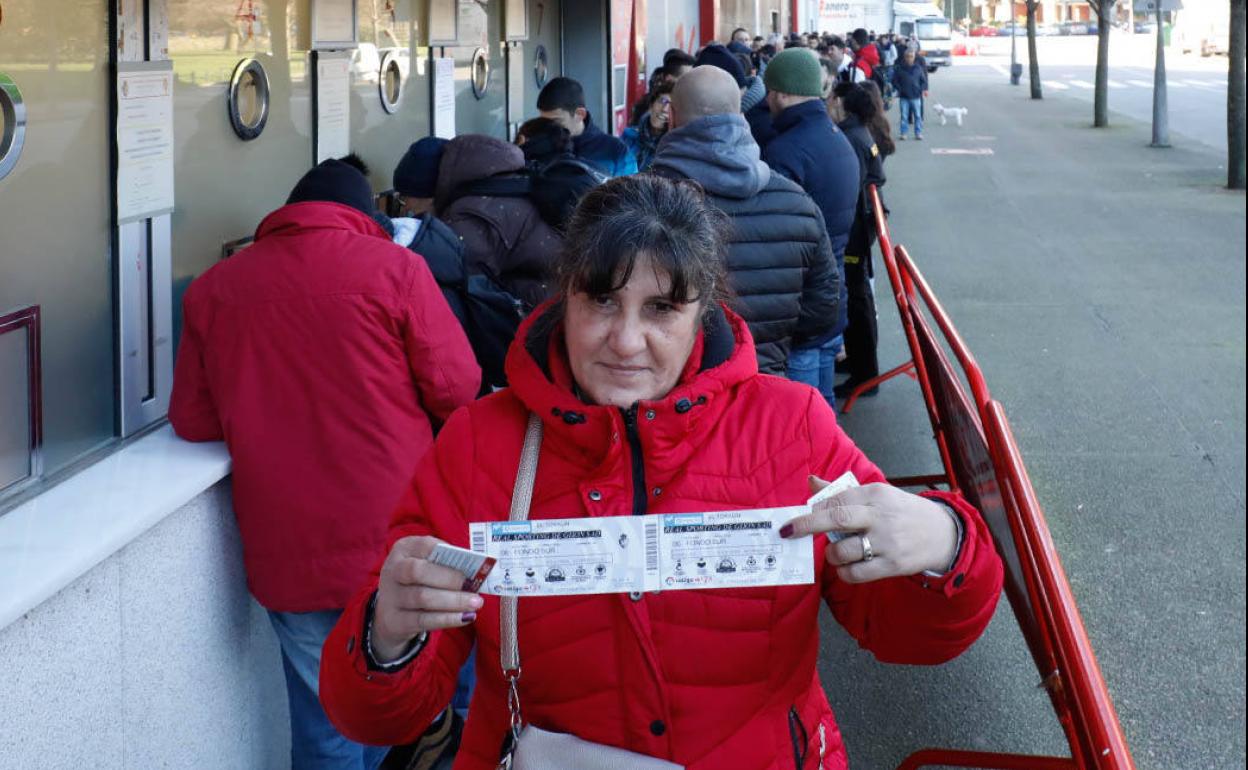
314	743
911	108
816	367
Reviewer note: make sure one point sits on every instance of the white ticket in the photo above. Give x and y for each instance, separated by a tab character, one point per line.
842	483
554	557
670	551
733	549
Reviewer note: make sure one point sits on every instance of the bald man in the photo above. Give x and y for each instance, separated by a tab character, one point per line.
779	259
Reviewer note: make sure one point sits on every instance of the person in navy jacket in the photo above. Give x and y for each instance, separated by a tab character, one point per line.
563	100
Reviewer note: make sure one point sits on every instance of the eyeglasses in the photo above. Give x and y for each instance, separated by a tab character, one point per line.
664	101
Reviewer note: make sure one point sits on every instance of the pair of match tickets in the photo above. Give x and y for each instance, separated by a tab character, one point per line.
624	554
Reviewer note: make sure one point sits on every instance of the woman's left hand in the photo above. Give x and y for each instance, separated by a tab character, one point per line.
906	534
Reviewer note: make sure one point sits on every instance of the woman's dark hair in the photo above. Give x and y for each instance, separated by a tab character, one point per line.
645	216
544	139
879	127
863	101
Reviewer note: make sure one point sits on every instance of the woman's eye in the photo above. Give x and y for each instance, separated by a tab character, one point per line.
603	301
662	308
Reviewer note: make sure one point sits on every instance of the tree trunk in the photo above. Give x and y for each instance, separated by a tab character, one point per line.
1100	102
1235	106
1033	58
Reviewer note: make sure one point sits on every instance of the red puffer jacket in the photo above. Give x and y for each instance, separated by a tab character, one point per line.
321	354
706	678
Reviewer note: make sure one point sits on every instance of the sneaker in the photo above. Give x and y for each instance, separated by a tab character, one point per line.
901	138
918	137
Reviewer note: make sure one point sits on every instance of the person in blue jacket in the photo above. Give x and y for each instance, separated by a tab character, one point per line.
563	100
809	149
910	85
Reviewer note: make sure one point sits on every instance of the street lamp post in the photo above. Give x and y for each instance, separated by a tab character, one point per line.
1161	112
1016	69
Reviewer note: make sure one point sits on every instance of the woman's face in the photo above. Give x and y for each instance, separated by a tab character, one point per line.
661	110
630	345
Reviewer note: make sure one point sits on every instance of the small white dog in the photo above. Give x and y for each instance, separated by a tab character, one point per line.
957	113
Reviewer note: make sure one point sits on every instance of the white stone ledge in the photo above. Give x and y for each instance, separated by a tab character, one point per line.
51	540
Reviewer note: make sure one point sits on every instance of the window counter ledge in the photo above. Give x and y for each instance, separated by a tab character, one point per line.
53	539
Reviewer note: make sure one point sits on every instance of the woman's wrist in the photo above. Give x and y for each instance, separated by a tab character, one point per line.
956	533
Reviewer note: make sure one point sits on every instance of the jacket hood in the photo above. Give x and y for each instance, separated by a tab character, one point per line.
472	157
539	375
318	215
755	93
718	152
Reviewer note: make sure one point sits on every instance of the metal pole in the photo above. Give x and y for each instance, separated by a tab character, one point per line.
1013	44
1161	116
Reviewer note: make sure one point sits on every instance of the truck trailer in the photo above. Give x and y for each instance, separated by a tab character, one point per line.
917	19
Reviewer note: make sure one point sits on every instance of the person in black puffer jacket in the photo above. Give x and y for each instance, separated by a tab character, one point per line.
780	262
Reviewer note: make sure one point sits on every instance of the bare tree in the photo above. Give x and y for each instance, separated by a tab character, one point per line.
1235	107
1100	101
1033	58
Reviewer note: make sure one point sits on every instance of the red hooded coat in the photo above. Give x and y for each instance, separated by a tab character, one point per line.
321	355
706	678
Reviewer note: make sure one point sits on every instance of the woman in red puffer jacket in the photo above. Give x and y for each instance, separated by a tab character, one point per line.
652	403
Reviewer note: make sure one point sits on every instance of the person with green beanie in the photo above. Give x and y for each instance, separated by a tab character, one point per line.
809	149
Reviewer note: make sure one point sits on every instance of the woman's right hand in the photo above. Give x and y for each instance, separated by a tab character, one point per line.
414	596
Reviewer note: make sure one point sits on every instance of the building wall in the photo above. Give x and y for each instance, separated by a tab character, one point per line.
669	24
158	657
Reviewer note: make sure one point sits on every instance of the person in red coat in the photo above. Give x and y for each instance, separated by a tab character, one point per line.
651	402
323	355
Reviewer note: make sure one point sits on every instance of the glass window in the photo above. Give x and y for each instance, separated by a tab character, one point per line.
56	231
934	29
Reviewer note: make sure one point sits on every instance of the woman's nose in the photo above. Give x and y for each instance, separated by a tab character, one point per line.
627	337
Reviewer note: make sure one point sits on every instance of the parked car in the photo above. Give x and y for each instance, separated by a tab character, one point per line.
1074	28
1047	30
1017	30
1145	27
983	31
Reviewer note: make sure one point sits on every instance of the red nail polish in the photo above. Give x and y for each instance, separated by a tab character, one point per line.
468	617
786	530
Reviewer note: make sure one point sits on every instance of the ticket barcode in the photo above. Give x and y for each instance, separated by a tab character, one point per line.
652	546
478	539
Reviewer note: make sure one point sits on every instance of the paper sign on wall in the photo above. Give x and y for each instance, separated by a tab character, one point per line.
333	105
444	98
144	140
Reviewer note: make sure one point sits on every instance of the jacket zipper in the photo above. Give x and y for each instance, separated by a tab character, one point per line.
639	468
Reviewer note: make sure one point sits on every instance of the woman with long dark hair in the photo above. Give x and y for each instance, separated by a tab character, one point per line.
858	111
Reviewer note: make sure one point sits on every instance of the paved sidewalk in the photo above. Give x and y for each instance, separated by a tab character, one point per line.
1101	286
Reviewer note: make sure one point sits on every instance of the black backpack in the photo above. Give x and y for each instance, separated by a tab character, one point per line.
489	314
555	188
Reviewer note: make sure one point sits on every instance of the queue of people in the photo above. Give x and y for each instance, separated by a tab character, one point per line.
673	308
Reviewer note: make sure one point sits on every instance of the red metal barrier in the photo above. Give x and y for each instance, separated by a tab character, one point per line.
981	460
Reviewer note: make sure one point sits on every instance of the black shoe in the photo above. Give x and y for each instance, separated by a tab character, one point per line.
843	367
846	388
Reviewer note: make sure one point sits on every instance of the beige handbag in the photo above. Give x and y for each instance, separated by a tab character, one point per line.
532	748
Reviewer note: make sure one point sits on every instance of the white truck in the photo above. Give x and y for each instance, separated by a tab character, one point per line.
924	21
919	19
1203	26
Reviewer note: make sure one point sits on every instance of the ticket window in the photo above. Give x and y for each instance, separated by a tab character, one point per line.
55	235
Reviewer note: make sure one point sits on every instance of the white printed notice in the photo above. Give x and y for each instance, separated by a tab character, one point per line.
333	104
444	98
659	552
144	139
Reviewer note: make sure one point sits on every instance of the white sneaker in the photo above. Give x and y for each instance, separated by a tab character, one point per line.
901	138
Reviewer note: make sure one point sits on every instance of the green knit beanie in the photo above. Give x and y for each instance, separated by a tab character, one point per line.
795	71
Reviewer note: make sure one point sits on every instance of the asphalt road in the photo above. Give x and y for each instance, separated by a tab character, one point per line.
1196	87
1101	284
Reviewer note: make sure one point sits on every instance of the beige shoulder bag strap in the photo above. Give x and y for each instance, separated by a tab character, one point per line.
521	498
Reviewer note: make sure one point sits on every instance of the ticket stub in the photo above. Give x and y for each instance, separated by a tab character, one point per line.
475	567
733	549
555	557
624	554
843	482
